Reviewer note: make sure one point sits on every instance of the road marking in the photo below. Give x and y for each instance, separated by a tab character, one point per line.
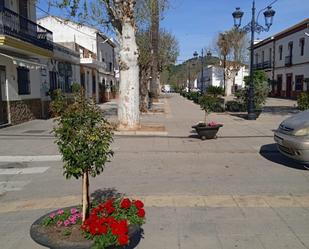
44	158
12	186
23	171
178	201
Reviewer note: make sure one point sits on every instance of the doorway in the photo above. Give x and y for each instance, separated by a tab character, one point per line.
289	85
3	102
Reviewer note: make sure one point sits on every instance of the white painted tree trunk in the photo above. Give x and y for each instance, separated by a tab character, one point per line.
128	107
85	196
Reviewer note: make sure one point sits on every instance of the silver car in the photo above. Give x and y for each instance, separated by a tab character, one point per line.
292	137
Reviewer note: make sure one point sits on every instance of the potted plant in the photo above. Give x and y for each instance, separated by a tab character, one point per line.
84	139
206	130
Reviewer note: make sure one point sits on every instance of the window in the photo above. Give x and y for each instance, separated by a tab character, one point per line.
299	82
110	67
263	56
1	4
280	52
23	80
302	46
65	76
270	55
53	81
290	49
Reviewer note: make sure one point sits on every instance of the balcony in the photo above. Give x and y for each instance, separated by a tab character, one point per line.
288	61
266	64
24	29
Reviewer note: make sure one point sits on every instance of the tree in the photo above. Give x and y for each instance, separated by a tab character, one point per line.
83	137
119	15
231	46
168	53
150	13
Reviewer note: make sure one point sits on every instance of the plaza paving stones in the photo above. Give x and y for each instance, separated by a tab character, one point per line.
233	192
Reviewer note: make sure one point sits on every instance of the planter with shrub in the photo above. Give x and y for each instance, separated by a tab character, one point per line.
84	140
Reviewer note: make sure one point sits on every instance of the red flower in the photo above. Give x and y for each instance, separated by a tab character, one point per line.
123	239
108	204
102	229
110	210
119	228
139	204
126	203
141	213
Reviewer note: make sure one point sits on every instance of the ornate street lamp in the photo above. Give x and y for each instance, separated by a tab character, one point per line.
253	27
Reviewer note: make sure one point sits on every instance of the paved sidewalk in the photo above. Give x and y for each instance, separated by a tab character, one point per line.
233	192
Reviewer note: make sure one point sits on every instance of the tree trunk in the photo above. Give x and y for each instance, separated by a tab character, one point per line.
155	23
144	83
85	196
128	108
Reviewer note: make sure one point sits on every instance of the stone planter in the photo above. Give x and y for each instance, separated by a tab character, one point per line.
207	132
45	239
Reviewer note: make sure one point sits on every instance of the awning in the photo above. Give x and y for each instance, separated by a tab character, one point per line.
24	62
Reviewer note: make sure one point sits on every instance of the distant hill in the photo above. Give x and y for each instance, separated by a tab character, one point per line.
179	74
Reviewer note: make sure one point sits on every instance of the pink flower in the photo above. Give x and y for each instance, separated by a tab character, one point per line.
72	219
60	211
52	215
59	223
66	223
74	211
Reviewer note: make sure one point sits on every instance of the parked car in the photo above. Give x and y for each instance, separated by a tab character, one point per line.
292	137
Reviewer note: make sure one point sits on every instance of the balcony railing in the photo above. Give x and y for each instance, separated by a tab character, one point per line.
24	29
264	65
288	61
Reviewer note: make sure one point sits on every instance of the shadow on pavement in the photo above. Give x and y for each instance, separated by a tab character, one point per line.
101	195
271	153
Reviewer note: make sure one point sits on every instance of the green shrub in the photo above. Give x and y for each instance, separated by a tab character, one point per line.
303	101
84	140
235	106
209	103
261	90
215	90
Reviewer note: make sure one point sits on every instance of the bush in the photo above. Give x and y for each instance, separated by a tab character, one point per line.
235	106
261	90
215	90
303	101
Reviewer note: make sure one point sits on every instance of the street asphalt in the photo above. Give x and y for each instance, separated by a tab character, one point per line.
236	191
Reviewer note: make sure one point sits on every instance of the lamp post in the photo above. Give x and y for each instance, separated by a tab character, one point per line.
253	27
202	67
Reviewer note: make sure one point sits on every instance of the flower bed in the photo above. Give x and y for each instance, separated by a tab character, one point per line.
110	224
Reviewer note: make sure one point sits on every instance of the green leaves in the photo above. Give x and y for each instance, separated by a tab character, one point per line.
83	136
261	89
208	103
303	101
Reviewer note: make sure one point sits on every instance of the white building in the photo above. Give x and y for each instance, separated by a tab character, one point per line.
23	44
97	56
285	59
214	76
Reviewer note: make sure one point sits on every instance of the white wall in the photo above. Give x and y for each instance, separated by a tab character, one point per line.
297	58
11	75
70	32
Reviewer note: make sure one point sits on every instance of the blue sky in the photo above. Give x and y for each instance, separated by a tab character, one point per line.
195	23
